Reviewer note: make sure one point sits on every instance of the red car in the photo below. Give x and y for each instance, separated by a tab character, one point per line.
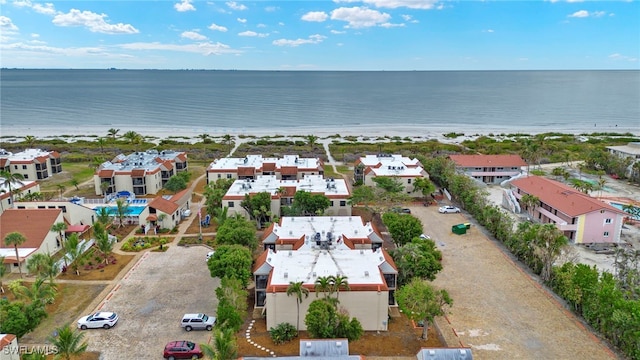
182	350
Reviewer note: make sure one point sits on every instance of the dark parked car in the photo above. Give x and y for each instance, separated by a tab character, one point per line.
182	350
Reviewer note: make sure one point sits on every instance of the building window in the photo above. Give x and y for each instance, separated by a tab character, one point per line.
219	176
25	176
331	203
24	167
343	203
607	221
228	176
601	211
408	181
606	234
231	204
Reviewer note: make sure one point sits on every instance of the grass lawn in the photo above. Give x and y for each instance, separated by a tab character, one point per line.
70	303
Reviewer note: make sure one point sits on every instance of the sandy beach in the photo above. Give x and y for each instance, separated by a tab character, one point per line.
363	132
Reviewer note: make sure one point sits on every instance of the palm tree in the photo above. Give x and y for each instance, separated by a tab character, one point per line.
61	189
39	292
15	238
133	137
30	140
311	140
323	284
3	272
227	139
60	227
104	216
206	138
68	342
531	202
8	179
75	251
338	282
601	183
297	289
103	243
104	186
122	208
224	348
43	266
75	183
101	142
112	132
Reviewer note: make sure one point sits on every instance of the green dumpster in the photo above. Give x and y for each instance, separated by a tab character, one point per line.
459	229
468	225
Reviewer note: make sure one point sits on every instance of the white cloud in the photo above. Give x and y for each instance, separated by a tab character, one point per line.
261	26
92	21
598	13
192	35
313	39
244	21
580	14
488	31
235	6
360	17
207	48
271	9
35	36
22	3
620	57
250	33
7	25
315	16
47	8
337	32
215	27
184	5
393	4
281	23
390	25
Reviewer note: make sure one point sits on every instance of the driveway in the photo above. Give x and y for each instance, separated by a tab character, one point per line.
499	310
151	299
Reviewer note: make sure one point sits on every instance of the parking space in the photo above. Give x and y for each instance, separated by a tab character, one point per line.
151	300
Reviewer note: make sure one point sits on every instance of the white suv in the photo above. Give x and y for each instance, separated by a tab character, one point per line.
198	322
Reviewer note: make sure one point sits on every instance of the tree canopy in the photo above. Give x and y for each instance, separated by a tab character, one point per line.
418	259
233	261
237	231
420	301
308	204
402	227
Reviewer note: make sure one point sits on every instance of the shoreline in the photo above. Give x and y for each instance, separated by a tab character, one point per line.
192	134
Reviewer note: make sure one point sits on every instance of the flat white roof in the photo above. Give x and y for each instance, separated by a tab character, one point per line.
256	161
309	262
11	252
139	160
294	227
27	154
271	184
632	148
388	159
397	169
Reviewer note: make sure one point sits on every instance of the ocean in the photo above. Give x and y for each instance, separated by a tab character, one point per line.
280	101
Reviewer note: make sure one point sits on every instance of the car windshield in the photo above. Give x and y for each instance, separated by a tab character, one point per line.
113	316
205	317
190	345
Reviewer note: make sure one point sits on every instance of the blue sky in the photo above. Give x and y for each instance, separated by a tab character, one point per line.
321	35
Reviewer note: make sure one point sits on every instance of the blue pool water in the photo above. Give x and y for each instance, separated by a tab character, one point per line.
131	210
619	206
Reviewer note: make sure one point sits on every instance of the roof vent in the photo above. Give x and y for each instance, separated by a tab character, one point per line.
338	343
366	273
314	274
290	253
361	252
290	232
286	275
308	344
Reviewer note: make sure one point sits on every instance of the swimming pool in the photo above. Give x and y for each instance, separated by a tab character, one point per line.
131	210
620	206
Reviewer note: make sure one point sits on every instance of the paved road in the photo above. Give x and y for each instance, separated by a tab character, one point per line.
499	310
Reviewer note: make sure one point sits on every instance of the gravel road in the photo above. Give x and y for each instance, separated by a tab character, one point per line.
151	300
499	310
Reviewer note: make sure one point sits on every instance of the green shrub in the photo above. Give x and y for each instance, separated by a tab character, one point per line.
283	333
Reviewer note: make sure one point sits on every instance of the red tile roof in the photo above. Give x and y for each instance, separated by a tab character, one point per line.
289	170
269	166
5	340
164	205
3	162
106	173
34	224
138	172
488	160
561	197
246	170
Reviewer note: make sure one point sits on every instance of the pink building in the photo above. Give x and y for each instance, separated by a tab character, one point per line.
583	219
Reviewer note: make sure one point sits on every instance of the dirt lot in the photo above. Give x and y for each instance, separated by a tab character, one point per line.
151	300
499	310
